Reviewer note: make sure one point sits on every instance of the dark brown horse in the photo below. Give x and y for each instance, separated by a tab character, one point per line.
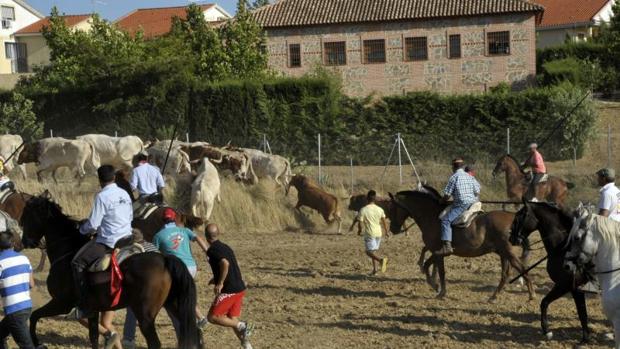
14	206
489	232
553	190
150	280
155	222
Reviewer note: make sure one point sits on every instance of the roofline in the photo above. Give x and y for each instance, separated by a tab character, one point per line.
88	17
600	9
30	8
168	7
26	34
565	25
125	16
221	9
212	5
535	12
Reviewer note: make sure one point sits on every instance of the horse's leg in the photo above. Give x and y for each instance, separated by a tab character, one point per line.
502	280
41	265
430	280
556	292
147	327
520	267
52	308
93	331
442	276
421	259
582	310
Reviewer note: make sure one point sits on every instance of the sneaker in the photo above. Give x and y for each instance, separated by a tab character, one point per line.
247	331
110	339
384	265
127	344
245	344
590	287
202	323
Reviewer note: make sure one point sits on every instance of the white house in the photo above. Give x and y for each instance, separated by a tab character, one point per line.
575	20
15	15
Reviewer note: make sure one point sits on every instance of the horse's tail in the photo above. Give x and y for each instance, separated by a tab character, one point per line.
183	295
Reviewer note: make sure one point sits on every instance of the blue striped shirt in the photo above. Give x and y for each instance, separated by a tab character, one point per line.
15	273
463	187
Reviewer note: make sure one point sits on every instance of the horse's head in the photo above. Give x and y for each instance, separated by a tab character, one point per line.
39	210
582	244
398	214
501	165
524	223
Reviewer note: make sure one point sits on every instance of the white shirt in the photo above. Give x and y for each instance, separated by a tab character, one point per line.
111	216
146	179
610	199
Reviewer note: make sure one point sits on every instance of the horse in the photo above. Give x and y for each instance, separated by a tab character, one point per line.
150	280
14	206
595	241
554	226
553	190
487	233
155	222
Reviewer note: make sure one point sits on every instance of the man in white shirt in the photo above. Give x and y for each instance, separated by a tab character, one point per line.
610	194
147	180
111	220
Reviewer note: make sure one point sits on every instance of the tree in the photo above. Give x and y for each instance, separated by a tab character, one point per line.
17	117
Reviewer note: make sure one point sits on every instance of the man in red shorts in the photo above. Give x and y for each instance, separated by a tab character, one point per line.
229	287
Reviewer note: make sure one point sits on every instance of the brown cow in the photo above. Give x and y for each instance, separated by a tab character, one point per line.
236	162
311	195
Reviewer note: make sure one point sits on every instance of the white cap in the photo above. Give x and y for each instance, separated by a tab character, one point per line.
533	145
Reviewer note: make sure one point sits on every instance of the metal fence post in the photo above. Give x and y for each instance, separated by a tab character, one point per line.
319	144
608	145
400	163
508	140
351	165
51	133
186	137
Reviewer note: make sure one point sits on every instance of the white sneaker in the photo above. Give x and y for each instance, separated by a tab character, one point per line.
127	344
110	340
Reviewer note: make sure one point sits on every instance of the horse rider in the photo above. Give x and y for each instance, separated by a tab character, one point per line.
110	219
536	162
610	194
465	190
147	180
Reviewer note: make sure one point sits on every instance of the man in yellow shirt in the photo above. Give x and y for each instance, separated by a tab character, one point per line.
371	221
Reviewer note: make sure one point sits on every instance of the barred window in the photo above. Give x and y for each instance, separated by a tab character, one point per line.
499	43
294	55
416	48
455	46
374	51
335	53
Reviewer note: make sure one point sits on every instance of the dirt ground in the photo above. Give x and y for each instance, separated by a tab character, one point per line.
313	291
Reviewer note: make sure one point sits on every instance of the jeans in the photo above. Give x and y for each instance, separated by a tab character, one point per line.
451	216
531	189
129	328
16	324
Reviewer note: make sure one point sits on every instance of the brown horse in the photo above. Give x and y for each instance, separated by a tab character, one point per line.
489	232
14	206
155	222
553	190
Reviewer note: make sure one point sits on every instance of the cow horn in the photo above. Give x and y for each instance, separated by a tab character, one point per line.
217	161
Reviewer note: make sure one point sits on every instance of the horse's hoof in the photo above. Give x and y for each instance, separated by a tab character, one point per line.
610	336
521	282
492	300
441	295
549	335
42	346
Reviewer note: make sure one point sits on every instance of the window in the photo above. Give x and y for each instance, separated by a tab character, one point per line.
581	37
499	43
374	51
455	46
16	52
8	16
335	53
416	49
294	55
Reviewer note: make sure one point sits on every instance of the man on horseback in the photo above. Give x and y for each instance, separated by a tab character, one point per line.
147	180
110	219
610	194
536	162
465	190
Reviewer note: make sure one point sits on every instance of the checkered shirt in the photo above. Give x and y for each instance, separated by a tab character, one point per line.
463	187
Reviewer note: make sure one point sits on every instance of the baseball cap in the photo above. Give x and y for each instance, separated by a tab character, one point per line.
606	172
169	214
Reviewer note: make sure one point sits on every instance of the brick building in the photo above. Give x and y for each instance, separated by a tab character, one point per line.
393	46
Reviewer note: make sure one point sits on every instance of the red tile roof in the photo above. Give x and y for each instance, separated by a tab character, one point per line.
288	13
37	26
153	21
565	12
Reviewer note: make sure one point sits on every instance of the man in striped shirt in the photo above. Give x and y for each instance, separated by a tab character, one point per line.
15	284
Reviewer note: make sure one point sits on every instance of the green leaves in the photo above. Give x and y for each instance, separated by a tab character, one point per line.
17	117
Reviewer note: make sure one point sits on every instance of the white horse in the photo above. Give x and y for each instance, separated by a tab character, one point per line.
595	243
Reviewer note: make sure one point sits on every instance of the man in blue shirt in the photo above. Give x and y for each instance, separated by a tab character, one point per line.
111	220
465	190
15	284
147	180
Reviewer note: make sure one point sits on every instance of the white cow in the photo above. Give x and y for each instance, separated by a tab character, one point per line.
50	154
8	145
271	166
115	151
205	189
178	161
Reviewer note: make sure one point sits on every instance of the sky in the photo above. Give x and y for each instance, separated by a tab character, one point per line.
113	9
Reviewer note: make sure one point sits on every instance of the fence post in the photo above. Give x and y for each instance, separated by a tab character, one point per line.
508	140
351	165
186	137
400	162
608	145
51	133
319	144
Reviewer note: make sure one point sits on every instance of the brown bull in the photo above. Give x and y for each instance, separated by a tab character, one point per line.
236	162
311	195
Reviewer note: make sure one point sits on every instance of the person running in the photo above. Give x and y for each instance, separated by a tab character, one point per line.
229	287
174	241
15	283
372	224
147	180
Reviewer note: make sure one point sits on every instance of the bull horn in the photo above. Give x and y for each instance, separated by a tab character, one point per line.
217	161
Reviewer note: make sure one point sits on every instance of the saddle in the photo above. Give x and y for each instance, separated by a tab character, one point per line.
143	209
465	219
6	190
103	263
